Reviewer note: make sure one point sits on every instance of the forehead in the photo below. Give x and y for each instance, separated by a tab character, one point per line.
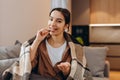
57	14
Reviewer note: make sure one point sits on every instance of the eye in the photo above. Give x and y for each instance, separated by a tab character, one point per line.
51	19
59	21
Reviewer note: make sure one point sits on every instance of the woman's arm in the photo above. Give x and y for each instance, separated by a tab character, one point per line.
41	34
33	49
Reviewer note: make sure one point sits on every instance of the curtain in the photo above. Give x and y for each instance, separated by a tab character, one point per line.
59	3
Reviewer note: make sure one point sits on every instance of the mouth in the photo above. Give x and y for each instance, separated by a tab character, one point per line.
53	29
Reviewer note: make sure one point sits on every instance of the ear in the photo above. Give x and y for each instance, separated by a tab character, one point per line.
66	28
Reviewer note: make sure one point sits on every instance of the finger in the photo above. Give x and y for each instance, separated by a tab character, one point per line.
43	32
62	66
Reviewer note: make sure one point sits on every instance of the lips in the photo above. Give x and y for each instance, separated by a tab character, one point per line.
53	29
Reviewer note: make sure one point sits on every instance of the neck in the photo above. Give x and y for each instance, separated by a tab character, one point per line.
56	41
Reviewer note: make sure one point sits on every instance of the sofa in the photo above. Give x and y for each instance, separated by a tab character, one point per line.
96	59
8	55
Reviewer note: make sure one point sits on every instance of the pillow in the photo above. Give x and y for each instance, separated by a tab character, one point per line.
6	63
96	60
7	52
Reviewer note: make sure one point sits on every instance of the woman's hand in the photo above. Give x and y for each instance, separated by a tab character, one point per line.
64	67
41	34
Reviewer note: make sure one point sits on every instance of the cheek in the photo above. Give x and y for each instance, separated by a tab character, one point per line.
62	28
48	23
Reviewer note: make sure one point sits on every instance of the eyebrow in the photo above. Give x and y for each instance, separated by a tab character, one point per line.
57	18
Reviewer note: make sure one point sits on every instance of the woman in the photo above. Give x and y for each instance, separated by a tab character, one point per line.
50	52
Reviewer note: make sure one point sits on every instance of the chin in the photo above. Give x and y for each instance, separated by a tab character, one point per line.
53	34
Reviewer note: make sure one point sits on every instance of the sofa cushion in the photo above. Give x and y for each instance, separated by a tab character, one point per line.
98	78
6	63
7	52
96	60
8	55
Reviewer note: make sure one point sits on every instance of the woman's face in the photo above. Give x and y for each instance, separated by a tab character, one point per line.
56	23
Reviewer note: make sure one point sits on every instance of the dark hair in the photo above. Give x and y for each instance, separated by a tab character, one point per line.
65	13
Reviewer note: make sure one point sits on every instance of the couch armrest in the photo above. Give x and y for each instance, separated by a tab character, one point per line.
107	69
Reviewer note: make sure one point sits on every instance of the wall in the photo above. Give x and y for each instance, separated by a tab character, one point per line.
80	12
104	11
20	19
105	21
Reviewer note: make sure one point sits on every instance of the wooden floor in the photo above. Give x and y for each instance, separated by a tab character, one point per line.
114	75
